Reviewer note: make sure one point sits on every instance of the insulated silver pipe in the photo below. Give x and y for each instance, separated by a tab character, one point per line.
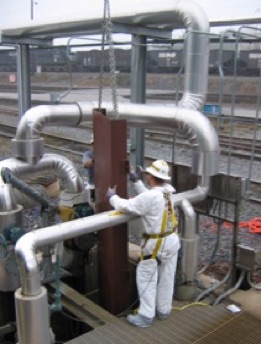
147	14
54	164
27	244
188	264
191	123
196	53
196	195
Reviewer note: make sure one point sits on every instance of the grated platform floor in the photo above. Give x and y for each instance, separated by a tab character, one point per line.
192	325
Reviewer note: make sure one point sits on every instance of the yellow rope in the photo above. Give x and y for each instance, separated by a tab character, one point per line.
189	305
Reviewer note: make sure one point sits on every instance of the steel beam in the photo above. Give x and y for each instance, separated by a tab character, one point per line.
23	78
110	161
141	30
138	94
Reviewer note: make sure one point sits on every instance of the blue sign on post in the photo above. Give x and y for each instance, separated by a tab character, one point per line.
213	109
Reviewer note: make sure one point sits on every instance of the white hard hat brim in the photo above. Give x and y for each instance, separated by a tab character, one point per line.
156	174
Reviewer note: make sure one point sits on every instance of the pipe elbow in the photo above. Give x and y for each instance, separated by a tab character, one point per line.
26	259
27	144
32	122
25	252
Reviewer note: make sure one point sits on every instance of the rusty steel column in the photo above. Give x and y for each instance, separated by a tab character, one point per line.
110	168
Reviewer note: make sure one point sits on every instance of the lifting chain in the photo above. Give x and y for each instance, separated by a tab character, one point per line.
107	37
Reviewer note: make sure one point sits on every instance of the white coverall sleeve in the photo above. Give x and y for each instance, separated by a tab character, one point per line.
140	187
138	205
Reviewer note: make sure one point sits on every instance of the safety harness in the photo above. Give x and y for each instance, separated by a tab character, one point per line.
168	215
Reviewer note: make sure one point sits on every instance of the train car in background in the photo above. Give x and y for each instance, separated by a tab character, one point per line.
254	62
59	59
164	61
8	60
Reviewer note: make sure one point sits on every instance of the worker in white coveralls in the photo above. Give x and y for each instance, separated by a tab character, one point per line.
156	270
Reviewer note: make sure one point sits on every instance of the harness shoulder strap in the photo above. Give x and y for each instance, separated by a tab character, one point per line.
163	227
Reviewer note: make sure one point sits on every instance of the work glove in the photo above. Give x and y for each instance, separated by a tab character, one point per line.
133	175
111	192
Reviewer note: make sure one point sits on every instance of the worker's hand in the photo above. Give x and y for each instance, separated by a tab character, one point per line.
133	175
111	192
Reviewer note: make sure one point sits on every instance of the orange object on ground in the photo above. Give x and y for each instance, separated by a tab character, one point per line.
254	225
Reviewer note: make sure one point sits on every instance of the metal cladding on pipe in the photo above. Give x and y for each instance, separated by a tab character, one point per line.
150	14
190	242
196	195
26	246
196	54
34	327
54	164
190	219
191	123
36	118
188	264
27	144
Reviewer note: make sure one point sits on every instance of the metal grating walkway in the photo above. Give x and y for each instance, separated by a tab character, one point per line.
193	325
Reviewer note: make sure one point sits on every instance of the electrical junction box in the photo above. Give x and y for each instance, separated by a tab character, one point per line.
246	258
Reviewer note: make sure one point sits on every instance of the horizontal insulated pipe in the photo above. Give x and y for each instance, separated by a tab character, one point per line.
27	245
190	123
150	14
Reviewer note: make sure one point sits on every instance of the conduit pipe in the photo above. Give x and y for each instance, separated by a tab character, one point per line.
54	164
191	123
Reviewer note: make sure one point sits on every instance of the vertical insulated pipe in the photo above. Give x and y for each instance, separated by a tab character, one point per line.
188	263
33	318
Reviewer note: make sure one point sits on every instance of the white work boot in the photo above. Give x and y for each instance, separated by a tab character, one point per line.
139	320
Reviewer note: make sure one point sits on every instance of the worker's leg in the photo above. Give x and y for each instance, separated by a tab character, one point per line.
166	279
146	278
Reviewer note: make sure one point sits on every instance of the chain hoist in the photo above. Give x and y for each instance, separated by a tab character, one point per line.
107	37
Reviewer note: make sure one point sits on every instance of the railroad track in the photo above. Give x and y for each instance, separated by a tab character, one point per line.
211	97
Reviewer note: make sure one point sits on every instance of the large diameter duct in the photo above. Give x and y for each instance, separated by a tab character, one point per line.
191	123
